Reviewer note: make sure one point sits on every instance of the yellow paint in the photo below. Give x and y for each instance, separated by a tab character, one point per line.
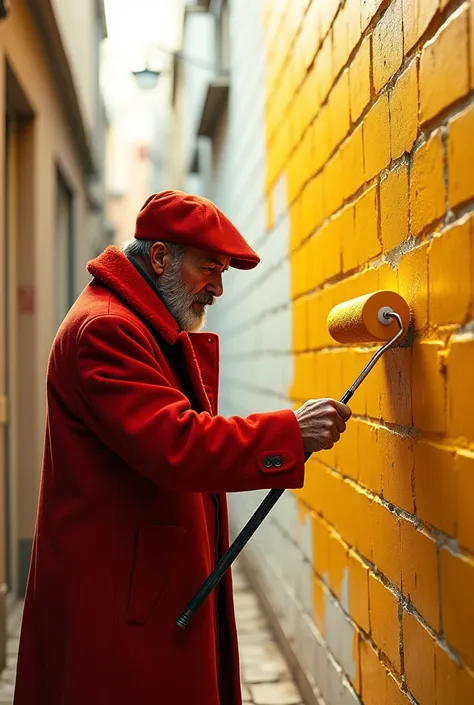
460	156
353	128
444	67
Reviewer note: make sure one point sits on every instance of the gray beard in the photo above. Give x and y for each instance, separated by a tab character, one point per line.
179	299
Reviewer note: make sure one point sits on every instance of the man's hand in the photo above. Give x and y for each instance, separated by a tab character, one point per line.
321	423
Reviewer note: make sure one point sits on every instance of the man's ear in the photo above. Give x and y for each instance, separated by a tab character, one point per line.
159	255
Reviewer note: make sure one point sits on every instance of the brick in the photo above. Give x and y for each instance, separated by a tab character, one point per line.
366	226
444	67
454	685
417	15
428	385
338	104
338	564
395	393
395	455
387	45
364	516
347	450
340	48
368	11
299	271
353	23
352	156
464	468
303	377
370	474
378	687
373	675
346	523
324	69
332	185
419	648
388	277
461	157
321	139
300	325
359	80
330	253
460	420
376	138
346	227
394	207
386	532
321	537
420	572
328	11
319	604
307	209
435	486
413	283
449	262
457	605
311	34
427	192
359	592
384	622
404	111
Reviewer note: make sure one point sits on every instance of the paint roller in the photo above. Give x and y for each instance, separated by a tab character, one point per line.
376	317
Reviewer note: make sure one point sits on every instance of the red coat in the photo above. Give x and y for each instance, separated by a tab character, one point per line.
132	512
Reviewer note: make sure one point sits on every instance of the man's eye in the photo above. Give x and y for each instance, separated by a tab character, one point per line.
209	270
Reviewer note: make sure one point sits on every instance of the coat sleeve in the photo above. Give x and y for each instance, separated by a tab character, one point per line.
130	405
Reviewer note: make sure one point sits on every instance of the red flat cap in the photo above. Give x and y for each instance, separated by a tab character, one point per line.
185	219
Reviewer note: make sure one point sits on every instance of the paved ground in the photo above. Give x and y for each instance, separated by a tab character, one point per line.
265	677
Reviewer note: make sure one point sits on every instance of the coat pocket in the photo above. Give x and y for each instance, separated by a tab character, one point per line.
158	549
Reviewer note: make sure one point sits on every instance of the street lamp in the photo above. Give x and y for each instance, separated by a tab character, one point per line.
147	78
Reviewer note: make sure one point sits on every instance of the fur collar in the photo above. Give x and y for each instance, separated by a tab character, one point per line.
113	269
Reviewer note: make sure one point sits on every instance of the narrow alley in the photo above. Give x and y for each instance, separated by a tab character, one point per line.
265	675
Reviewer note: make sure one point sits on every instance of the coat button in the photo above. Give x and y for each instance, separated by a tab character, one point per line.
268	461
278	461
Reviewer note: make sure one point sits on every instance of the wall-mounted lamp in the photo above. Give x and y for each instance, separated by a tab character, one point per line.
4	7
147	78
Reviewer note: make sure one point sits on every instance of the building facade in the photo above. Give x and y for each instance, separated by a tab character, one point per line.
341	143
51	222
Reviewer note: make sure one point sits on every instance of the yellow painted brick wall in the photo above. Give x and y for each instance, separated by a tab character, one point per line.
370	119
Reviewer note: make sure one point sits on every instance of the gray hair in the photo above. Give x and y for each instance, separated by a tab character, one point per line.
141	248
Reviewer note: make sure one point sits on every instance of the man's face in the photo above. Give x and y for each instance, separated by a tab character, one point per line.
190	284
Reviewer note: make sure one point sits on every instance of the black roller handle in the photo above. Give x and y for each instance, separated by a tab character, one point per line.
236	547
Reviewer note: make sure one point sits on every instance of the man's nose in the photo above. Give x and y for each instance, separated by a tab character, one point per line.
215	286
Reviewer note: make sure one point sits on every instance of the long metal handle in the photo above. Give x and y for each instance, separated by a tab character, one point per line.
271	499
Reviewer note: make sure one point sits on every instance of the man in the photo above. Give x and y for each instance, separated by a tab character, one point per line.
132	513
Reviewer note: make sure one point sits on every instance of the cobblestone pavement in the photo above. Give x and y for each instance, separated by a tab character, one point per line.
265	676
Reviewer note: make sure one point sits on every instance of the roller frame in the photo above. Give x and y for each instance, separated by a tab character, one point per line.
274	495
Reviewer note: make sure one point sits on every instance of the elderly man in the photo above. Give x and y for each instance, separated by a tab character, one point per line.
132	512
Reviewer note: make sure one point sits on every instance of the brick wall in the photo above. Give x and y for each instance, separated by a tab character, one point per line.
350	130
370	115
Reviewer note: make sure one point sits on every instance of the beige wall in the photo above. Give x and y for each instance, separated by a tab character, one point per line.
128	179
78	25
38	147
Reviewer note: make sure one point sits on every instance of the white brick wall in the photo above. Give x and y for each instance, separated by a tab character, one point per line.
254	321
